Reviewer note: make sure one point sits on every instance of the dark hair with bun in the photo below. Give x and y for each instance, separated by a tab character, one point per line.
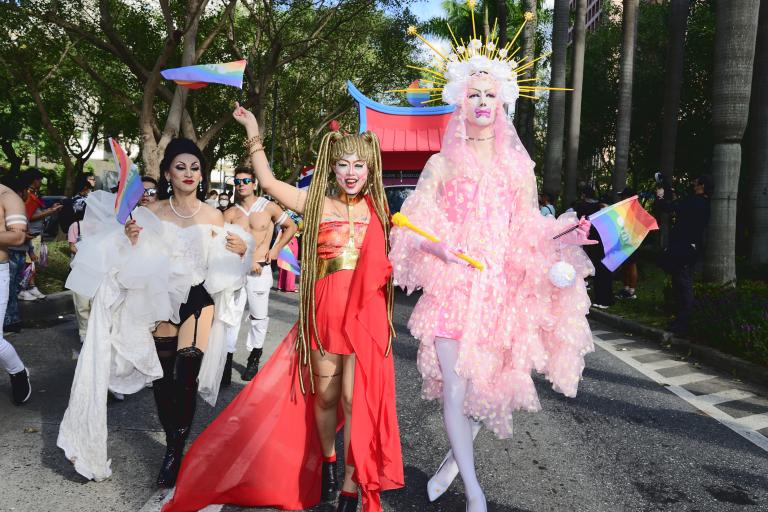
175	148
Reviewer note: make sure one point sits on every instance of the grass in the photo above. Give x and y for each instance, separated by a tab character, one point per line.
51	278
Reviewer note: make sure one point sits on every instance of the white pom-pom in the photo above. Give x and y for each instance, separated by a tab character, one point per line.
562	274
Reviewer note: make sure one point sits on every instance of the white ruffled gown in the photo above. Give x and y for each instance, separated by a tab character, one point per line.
133	288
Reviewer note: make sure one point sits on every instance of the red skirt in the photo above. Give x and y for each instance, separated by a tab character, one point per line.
332	292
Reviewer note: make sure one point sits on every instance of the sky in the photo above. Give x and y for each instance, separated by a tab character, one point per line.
425	9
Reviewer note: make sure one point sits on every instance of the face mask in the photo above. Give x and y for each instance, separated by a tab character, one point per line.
223	202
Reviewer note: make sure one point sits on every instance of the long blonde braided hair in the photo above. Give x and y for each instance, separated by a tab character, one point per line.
333	146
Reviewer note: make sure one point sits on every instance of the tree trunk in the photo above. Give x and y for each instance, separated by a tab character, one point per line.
553	157
502	14
13	158
626	75
758	145
678	22
572	158
53	132
525	109
735	35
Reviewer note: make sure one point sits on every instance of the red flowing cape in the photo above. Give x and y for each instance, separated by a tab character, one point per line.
263	449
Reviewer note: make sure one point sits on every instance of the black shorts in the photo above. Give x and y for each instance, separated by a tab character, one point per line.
198	299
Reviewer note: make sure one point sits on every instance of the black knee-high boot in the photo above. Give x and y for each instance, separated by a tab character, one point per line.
164	391
226	376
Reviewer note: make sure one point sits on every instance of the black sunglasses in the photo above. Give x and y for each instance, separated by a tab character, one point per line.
150	192
244	181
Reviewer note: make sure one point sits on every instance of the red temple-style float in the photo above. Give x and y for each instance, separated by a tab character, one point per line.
408	135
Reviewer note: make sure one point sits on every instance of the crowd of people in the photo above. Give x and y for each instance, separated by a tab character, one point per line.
688	215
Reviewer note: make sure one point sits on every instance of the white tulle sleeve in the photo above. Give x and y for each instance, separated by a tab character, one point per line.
224	281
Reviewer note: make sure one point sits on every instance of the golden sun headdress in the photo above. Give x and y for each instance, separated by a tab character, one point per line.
448	79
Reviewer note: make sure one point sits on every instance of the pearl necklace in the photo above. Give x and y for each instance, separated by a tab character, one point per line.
199	205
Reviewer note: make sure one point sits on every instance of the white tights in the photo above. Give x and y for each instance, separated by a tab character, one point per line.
458	426
9	359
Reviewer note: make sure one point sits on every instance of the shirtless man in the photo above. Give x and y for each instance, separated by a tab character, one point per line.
13	232
259	216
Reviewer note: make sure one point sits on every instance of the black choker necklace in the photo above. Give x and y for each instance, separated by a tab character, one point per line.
481	140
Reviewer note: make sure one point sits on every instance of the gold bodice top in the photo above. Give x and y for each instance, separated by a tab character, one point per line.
338	246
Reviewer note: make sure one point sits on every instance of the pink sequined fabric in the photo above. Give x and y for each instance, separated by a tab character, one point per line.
508	319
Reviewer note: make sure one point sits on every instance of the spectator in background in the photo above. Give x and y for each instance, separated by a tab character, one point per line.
224	201
36	213
150	190
629	267
584	207
17	256
212	199
74	235
545	204
73	209
691	218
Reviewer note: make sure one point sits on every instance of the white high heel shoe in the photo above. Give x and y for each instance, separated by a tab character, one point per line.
436	489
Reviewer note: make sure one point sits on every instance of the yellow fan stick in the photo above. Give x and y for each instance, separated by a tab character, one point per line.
402	221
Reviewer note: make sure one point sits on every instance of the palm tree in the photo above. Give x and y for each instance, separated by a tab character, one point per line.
502	13
572	156
678	22
735	35
758	147
553	157
525	110
626	75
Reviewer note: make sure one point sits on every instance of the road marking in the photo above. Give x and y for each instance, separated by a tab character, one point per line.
163	496
615	342
754	421
688	378
725	396
663	364
745	427
640	352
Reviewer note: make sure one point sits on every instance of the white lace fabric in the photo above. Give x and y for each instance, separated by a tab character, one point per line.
133	288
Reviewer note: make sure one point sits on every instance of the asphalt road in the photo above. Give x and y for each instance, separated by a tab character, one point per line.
625	443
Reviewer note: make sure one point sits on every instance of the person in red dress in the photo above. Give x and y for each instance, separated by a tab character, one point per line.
274	445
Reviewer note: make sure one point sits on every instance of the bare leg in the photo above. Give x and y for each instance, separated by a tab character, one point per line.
347	386
328	372
457	425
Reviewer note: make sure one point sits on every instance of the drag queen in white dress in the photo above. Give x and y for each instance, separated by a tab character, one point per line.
164	288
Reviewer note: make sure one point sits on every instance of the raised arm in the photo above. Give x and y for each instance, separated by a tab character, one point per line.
285	193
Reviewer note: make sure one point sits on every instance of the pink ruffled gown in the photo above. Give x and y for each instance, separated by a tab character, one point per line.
508	319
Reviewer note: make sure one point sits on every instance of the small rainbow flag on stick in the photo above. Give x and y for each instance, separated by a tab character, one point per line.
622	227
129	187
195	77
287	261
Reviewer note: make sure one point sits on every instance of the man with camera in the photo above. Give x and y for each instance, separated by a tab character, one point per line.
691	218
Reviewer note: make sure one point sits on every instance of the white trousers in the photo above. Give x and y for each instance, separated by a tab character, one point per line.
257	289
9	359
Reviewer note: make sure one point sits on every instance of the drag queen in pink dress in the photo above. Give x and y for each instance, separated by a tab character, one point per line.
482	332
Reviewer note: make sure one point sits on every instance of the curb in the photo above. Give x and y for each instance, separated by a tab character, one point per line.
733	365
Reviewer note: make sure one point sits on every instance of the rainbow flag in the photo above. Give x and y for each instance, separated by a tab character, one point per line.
195	77
129	187
622	227
287	261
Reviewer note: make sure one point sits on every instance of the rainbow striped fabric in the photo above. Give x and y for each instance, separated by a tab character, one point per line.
622	227
195	77
287	261
129	187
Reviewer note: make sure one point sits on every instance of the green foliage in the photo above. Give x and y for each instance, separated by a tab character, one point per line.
600	99
734	320
51	279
